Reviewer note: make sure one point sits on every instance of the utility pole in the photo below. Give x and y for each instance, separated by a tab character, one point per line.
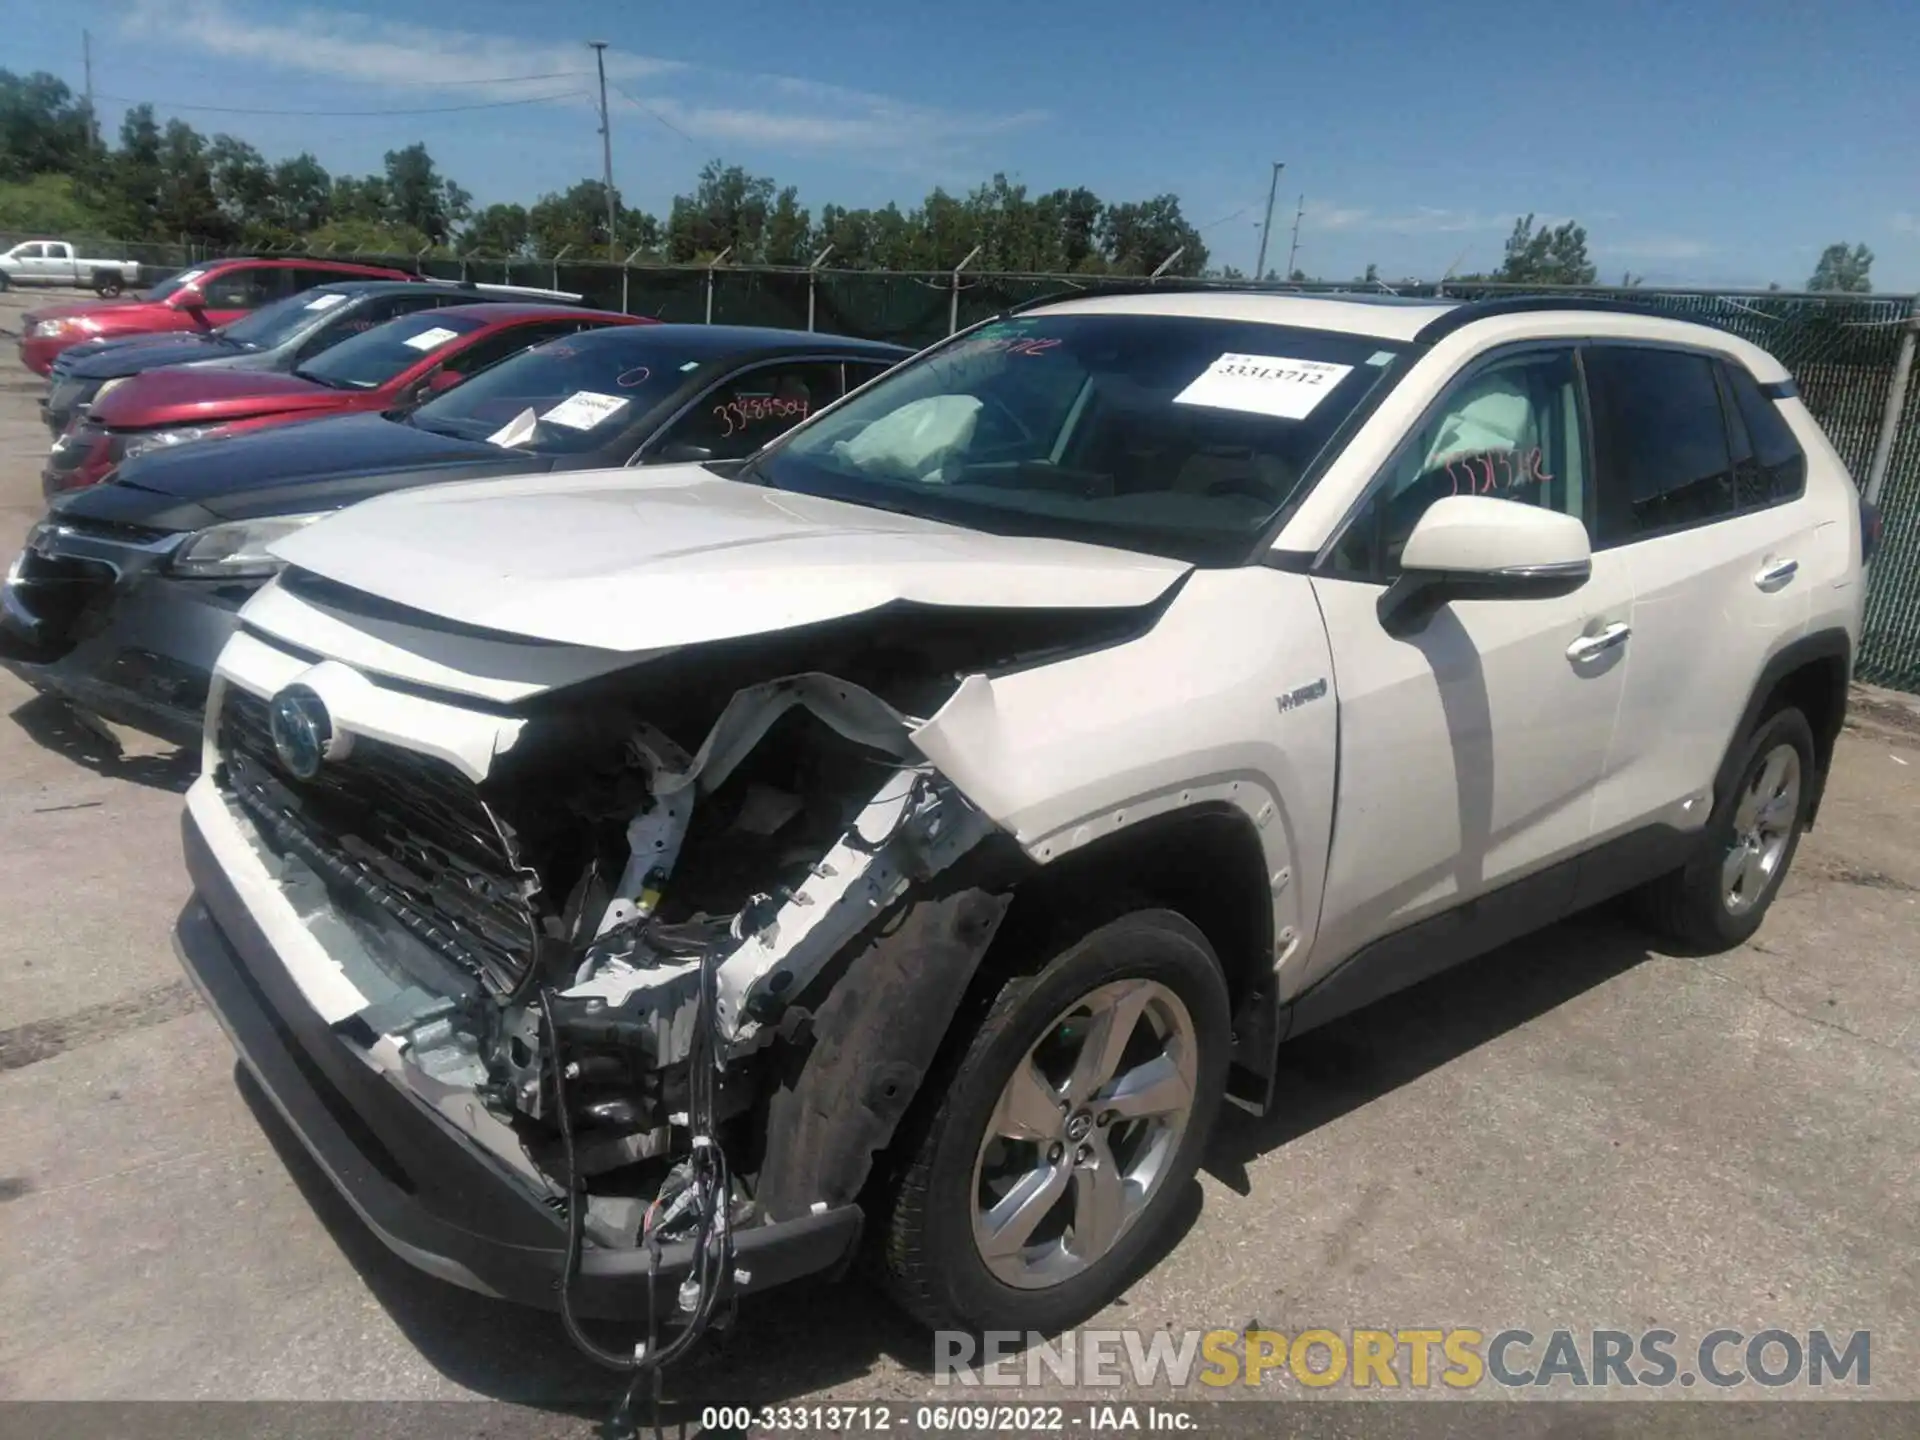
1260	265
1294	248
86	58
606	150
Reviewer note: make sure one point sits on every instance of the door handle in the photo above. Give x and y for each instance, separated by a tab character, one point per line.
1590	647
1777	573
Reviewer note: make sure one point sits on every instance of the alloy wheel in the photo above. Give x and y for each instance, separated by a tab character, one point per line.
1084	1133
1762	829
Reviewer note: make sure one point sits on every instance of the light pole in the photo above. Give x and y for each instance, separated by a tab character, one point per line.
1266	227
606	148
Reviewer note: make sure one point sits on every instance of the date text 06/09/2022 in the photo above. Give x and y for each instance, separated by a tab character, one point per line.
962	1416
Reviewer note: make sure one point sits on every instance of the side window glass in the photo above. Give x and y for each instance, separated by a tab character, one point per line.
1779	462
1660	440
1749	480
1511	430
861	371
741	414
247	287
500	345
34	251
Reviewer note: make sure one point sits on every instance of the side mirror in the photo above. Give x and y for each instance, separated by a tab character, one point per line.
189	297
681	453
440	380
1476	547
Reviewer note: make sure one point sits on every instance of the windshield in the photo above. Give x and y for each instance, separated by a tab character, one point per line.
1173	434
582	390
167	288
271	324
373	357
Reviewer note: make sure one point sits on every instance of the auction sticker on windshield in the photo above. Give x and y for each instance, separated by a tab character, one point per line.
585	409
1264	385
428	339
325	302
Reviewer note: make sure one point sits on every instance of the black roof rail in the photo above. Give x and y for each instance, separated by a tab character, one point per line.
1468	312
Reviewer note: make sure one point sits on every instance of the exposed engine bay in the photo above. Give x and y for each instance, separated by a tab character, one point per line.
602	962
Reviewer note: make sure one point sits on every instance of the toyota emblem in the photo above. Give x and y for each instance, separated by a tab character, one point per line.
302	731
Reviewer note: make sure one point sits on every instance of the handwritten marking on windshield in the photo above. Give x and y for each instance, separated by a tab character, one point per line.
1007	345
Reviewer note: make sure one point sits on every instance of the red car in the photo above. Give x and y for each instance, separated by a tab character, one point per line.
198	299
386	368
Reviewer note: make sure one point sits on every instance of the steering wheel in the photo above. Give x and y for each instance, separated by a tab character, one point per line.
1021	429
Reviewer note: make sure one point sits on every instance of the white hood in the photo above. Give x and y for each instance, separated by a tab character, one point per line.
633	560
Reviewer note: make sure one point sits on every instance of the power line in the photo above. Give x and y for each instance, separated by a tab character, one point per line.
642	105
422	110
483	80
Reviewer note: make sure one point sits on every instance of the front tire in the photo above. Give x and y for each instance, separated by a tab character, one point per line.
1056	1158
1719	898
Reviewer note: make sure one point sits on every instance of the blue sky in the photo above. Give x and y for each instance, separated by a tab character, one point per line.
1705	142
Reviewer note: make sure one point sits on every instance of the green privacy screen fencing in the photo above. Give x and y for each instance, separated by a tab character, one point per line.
1844	352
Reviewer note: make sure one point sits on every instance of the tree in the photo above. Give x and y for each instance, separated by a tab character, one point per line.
362	235
133	176
1372	276
419	197
242	185
502	230
727	211
1556	256
187	204
1136	238
789	234
1841	268
43	129
578	217
358	198
302	195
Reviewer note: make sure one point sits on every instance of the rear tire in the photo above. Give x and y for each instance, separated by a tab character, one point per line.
1718	899
959	1247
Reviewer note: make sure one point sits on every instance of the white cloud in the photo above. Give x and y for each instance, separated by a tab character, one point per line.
1658	247
1421	220
456	66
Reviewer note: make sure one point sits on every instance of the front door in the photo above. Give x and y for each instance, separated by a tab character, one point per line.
1470	750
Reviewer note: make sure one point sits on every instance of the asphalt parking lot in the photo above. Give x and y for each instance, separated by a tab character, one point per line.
1577	1131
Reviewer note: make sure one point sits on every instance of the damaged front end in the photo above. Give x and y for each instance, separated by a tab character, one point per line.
639	919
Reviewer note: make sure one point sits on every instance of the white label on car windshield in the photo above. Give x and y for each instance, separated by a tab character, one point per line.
325	302
585	409
429	339
1264	385
187	277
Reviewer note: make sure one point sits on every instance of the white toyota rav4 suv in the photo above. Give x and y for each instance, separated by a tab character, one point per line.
633	886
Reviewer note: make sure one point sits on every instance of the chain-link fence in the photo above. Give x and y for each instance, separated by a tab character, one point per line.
1843	350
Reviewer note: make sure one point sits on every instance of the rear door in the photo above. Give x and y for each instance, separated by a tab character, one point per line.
239	289
1470	749
1714	538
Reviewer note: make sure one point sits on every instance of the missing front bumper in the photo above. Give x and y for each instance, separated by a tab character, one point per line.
428	1194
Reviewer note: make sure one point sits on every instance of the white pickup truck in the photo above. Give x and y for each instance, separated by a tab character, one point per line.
55	262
